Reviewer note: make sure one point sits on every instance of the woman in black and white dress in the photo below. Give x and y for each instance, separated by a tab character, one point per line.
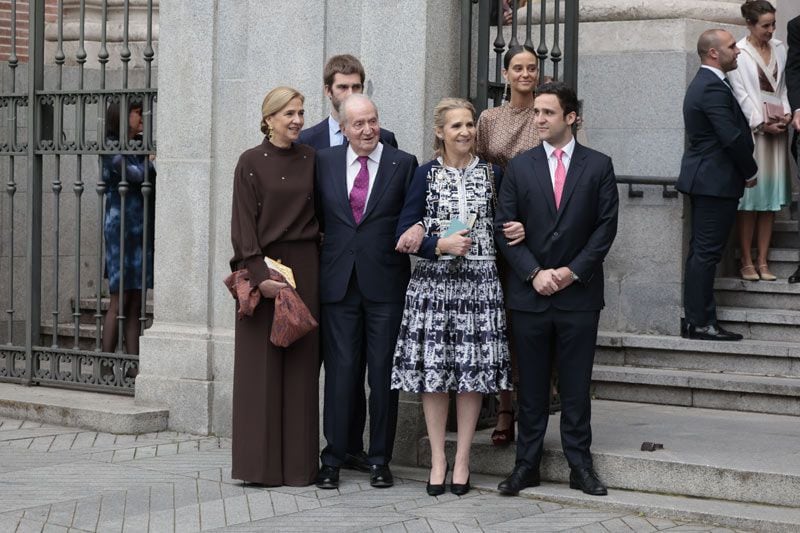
453	334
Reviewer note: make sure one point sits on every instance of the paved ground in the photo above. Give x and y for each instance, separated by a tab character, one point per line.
58	479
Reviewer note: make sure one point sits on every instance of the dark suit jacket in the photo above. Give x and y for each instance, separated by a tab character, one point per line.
318	136
368	247
578	235
719	155
793	70
793	63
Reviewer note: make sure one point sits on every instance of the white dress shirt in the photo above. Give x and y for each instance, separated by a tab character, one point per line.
335	134
353	166
552	160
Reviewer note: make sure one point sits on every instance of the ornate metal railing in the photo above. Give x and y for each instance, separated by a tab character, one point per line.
54	122
490	88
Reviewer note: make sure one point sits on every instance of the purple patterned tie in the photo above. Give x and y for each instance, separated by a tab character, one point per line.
358	194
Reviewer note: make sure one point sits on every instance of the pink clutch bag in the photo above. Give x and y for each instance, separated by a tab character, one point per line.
773	113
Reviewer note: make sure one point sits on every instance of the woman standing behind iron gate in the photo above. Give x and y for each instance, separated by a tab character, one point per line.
275	390
759	86
504	132
453	334
139	170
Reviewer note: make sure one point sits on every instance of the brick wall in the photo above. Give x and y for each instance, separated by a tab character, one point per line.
51	15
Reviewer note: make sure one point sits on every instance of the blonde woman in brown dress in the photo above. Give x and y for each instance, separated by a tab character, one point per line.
275	390
503	133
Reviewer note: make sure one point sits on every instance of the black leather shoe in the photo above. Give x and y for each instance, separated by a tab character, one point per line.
437	489
795	278
380	476
586	479
521	477
356	461
328	477
711	332
459	489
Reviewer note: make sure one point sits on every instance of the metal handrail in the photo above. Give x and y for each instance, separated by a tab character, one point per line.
665	181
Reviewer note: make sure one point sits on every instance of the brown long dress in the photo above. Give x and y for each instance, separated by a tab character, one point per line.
275	390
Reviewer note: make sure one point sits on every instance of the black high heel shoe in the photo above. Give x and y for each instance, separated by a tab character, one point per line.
437	490
460	489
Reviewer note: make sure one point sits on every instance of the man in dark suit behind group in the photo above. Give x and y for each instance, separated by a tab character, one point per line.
343	75
717	165
793	88
566	197
361	189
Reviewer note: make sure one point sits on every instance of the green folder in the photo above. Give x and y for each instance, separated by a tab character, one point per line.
457	225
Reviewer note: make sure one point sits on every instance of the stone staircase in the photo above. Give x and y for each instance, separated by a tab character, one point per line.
87	328
727	413
760	373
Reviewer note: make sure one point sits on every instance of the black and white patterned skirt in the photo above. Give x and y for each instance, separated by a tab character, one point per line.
453	334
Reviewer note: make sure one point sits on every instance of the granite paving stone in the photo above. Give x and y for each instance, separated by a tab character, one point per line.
68	480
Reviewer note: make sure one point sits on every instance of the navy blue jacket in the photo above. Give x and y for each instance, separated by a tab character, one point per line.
719	154
577	235
367	247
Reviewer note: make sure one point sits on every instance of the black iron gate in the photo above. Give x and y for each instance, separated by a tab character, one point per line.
56	111
488	85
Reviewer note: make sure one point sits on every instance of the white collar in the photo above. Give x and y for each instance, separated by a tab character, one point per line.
568	148
715	70
374	156
333	126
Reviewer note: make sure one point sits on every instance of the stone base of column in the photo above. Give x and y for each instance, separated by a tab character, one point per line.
175	372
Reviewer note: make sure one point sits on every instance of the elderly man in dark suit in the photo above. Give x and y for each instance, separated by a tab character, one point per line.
361	188
793	88
343	75
716	167
566	197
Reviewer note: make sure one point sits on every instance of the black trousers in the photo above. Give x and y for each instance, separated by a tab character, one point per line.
712	220
566	339
350	328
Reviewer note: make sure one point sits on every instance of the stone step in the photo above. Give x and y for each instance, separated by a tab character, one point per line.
761	324
710	454
693	388
735	292
765	358
92	410
785	234
782	261
65	332
88	309
661	510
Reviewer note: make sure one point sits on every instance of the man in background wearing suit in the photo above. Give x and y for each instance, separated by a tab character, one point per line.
716	167
361	189
566	197
343	75
793	88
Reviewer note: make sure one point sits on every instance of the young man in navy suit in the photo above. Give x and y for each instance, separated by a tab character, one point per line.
566	197
343	75
716	167
361	189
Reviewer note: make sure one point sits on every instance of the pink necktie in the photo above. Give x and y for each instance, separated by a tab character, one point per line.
561	176
358	194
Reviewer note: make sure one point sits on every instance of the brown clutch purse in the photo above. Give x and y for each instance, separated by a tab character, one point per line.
291	320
